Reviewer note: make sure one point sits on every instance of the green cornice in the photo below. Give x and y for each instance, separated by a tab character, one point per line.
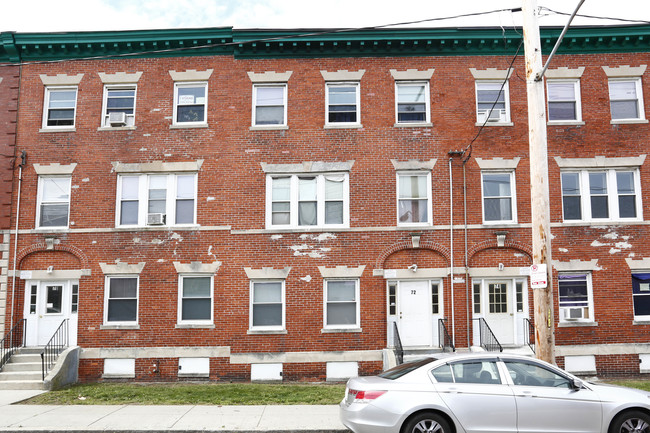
312	43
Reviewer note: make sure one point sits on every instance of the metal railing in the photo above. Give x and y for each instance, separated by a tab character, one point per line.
444	338
12	341
488	340
528	333
54	347
397	342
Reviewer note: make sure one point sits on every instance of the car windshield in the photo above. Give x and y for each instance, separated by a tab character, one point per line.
402	369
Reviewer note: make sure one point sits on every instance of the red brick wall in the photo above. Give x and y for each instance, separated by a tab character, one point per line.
10	76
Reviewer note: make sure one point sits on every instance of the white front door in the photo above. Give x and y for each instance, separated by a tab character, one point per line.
499	312
47	304
419	308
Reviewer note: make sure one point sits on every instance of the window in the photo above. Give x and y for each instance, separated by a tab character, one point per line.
342	304
309	200
414	198
498	298
342	103
392	299
564	100
575	297
195	299
641	296
600	195
626	99
119	106
121	300
267	305
75	298
60	106
476	296
498	197
435	298
190	103
156	199
528	374
269	105
53	202
412	102
492	103
485	372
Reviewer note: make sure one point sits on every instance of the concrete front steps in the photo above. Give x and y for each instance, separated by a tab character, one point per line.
24	370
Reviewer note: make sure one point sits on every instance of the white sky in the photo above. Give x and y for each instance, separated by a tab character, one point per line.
93	15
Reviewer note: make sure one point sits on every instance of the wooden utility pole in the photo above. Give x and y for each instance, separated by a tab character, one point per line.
539	192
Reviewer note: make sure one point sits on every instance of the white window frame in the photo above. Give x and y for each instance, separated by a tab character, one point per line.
427	102
504	118
333	84
357	324
429	198
639	98
294	200
513	196
190	84
639	317
181	278
46	106
143	198
130	118
106	299
284	88
281	327
590	301
39	201
576	100
612	194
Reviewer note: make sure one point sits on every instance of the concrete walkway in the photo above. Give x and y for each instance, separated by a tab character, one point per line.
135	418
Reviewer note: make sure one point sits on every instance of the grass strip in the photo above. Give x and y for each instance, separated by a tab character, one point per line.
193	394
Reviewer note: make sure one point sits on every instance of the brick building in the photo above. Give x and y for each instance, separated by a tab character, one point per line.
267	204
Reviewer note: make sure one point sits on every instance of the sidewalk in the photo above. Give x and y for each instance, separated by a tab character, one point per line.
135	418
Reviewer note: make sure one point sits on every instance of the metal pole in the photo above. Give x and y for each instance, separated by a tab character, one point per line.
539	191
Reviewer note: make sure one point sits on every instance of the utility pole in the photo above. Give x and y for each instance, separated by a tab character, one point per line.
539	191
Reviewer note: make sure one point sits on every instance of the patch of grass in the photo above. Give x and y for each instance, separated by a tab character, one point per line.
199	394
639	384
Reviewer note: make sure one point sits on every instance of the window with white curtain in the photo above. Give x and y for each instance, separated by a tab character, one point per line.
414	198
308	200
53	201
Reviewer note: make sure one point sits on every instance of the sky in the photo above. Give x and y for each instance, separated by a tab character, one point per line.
25	16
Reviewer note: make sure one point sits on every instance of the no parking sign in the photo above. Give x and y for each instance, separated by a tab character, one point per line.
538	276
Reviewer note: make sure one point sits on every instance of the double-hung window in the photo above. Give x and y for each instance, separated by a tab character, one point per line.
492	102
342	102
412	102
564	101
270	105
121	300
575	297
119	106
156	199
190	103
342	304
308	200
267	307
195	294
641	296
60	107
53	208
498	197
610	194
626	99
414	198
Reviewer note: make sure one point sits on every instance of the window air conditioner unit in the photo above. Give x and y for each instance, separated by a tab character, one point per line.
494	115
573	313
117	118
155	219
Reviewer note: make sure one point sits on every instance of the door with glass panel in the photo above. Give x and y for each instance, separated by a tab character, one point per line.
419	308
499	313
47	304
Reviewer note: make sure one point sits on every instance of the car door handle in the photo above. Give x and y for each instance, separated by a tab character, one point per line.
526	394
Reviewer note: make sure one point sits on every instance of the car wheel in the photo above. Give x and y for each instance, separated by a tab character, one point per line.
427	422
631	422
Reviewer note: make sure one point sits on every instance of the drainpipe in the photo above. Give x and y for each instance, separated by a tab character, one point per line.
23	159
451	154
468	292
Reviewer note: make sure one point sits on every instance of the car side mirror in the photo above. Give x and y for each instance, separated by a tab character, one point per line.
576	384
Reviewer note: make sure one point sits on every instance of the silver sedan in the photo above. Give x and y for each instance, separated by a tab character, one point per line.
486	393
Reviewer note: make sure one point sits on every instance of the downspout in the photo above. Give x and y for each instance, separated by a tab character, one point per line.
23	158
451	248
468	292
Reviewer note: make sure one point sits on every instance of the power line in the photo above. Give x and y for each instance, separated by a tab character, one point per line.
624	20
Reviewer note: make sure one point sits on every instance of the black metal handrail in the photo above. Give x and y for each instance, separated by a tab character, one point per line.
397	343
488	340
13	340
528	332
443	336
54	347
